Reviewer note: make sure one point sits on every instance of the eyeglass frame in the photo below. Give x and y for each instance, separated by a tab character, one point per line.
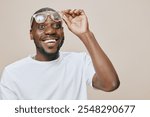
46	13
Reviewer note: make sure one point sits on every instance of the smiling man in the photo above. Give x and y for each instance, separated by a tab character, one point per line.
52	74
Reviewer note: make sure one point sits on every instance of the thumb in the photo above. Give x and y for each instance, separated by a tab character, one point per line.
66	19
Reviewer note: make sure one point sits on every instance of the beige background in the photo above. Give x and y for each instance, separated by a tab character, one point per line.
122	28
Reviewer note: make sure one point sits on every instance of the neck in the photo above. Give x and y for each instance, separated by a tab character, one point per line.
46	57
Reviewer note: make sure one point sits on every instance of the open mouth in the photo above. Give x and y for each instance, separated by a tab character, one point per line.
50	41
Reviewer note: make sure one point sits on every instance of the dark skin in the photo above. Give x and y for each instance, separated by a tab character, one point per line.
49	30
105	78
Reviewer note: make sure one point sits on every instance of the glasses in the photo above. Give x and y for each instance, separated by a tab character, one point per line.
42	16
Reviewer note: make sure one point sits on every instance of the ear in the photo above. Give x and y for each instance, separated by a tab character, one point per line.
31	35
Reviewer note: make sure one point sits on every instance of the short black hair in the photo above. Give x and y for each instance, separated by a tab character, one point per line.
44	9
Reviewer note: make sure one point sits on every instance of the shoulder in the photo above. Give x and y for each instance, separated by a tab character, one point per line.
74	58
13	68
73	54
17	64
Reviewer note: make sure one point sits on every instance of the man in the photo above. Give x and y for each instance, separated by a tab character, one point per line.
51	74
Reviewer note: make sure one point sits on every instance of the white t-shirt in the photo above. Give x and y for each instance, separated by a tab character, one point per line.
64	78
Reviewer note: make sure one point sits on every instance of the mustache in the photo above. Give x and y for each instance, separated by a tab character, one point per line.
56	37
52	36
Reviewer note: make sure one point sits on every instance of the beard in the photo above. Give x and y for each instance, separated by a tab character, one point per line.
52	55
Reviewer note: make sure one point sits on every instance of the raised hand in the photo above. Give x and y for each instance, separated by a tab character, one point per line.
76	21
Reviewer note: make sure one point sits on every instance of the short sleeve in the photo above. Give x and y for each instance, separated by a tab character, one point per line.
89	70
6	92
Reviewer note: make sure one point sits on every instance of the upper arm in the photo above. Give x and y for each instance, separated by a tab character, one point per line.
6	86
6	93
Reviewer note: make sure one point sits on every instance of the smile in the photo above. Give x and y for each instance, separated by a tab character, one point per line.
50	41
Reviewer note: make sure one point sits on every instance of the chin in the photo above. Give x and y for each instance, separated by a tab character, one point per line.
48	51
51	51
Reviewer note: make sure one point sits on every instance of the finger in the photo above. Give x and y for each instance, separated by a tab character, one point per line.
73	15
77	11
66	19
69	16
72	11
82	12
66	11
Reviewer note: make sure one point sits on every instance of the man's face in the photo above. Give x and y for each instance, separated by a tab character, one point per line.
48	36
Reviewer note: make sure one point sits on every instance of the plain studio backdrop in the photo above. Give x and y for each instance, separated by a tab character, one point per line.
122	28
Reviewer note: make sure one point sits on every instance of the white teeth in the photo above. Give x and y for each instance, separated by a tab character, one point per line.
49	41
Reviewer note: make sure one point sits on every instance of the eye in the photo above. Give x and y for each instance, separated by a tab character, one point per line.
57	25
41	27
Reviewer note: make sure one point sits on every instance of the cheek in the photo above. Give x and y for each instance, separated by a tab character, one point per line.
61	33
37	35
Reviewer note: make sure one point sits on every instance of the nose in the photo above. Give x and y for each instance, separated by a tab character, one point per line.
50	31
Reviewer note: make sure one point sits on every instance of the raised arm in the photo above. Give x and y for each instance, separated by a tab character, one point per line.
105	77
